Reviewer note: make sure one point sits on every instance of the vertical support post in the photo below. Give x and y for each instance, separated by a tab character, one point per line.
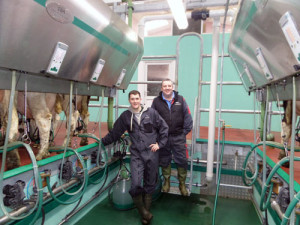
213	99
292	152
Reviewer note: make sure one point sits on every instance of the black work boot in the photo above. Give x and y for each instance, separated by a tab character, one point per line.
148	201
182	172
147	204
145	214
166	171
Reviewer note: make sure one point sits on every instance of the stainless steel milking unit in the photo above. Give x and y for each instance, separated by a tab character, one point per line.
68	47
265	47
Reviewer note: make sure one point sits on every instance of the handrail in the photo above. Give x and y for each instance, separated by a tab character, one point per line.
268	143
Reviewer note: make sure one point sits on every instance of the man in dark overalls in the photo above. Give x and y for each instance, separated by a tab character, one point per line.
174	110
148	133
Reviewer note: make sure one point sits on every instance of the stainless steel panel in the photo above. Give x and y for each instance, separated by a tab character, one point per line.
30	30
49	85
257	26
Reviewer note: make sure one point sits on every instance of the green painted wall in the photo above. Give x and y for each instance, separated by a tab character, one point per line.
233	97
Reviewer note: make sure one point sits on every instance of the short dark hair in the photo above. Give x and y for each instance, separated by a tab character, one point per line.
167	79
134	92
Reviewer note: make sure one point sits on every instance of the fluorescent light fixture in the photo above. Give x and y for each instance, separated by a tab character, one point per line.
178	12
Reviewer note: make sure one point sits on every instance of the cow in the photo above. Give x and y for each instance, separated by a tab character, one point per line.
79	108
42	108
13	157
286	124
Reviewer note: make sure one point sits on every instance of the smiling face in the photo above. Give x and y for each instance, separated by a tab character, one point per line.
167	88
135	101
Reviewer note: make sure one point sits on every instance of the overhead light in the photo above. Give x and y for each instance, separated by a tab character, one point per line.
178	12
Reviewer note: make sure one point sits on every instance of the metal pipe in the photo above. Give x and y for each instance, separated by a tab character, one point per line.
274	204
110	113
235	186
196	124
159	57
193	144
292	152
220	90
57	190
269	119
117	104
141	24
213	99
198	161
276	207
106	106
224	83
241	111
264	142
145	82
212	14
202	110
209	56
254	133
195	184
130	8
152	6
88	202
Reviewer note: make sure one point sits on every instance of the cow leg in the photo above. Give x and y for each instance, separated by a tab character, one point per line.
85	117
74	119
13	157
43	122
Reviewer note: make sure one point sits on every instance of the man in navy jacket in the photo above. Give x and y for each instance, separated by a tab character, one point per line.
175	111
148	133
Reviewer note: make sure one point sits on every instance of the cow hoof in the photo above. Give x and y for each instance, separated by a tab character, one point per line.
41	156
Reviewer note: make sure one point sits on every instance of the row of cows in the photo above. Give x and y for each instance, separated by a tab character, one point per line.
44	109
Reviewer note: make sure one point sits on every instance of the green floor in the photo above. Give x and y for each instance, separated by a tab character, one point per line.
173	209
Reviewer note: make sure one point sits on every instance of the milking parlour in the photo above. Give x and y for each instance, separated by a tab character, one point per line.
161	112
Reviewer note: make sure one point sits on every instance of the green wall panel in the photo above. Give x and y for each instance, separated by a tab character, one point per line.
233	97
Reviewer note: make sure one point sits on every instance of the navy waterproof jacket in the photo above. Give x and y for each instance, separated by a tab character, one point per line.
178	118
152	129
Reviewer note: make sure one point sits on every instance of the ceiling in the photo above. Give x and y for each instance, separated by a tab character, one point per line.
142	8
